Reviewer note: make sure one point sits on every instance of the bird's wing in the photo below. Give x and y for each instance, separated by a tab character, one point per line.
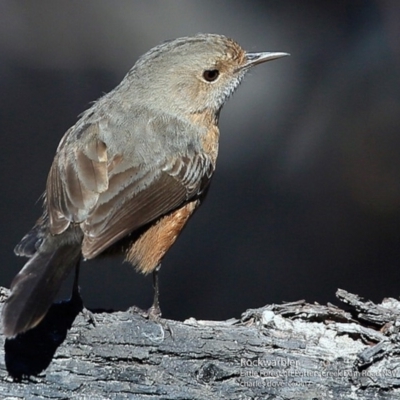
110	197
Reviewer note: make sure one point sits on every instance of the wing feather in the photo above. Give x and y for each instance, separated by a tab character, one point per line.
128	211
110	195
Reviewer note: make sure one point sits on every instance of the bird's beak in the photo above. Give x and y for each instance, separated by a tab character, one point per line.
258	58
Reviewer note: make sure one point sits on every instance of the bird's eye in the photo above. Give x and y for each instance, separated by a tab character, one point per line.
211	75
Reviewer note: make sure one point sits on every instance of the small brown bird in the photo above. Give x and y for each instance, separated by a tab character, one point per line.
133	169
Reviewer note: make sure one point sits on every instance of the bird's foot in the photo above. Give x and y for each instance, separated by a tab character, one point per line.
152	314
89	316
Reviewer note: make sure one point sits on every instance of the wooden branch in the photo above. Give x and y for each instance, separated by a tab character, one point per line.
294	350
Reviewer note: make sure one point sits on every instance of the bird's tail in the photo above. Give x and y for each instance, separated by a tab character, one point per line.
34	288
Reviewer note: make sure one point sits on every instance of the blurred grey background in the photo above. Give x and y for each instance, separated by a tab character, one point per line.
306	196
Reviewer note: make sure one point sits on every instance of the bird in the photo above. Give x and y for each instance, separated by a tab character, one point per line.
130	173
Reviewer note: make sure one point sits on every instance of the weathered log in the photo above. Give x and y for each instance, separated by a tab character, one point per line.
287	351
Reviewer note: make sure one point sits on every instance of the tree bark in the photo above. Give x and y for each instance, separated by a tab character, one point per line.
288	351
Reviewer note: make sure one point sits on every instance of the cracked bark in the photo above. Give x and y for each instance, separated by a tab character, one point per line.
288	351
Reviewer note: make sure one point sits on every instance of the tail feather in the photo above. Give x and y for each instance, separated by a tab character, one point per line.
34	288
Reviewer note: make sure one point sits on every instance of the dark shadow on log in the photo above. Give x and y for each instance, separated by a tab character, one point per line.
30	353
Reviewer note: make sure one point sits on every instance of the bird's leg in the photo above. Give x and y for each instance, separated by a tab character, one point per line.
155	310
75	288
76	297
